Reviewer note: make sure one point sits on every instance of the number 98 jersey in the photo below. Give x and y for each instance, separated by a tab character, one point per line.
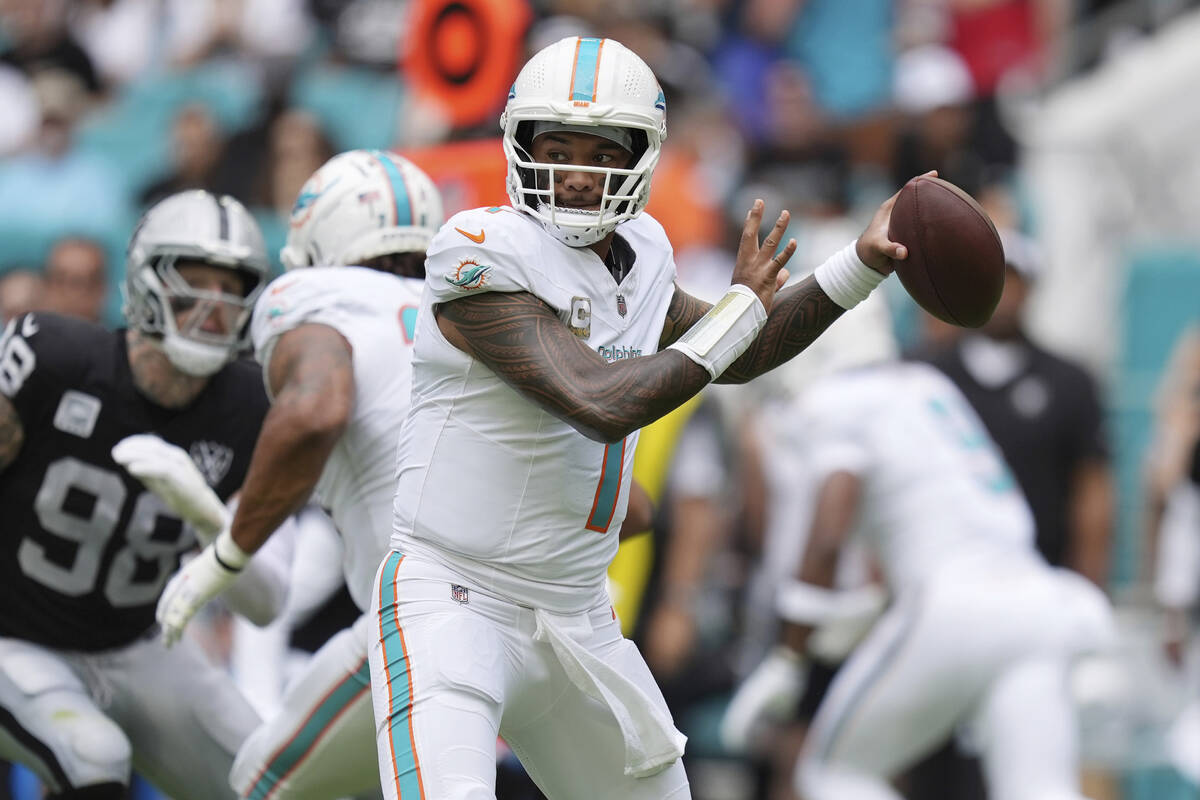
86	548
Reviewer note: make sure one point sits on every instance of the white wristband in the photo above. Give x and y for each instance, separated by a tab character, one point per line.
725	332
805	603
846	279
228	554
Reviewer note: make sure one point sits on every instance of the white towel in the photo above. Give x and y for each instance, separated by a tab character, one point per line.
652	742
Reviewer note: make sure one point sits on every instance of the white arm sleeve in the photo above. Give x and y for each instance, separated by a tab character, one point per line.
260	592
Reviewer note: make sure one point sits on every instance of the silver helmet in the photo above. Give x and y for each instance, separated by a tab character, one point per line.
193	226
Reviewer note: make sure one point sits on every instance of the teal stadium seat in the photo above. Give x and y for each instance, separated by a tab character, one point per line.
134	129
357	107
1161	298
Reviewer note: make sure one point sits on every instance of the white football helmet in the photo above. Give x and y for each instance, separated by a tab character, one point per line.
200	226
584	82
359	205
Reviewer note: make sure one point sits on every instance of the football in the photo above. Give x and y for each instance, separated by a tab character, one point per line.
955	264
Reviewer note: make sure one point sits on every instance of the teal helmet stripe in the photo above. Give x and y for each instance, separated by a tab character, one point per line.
587	63
399	188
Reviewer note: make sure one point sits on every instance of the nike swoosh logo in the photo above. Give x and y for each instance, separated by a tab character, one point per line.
477	238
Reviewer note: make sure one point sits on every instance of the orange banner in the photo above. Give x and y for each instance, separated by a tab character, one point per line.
465	54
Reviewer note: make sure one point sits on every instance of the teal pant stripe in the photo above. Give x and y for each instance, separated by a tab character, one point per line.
395	659
331	706
884	660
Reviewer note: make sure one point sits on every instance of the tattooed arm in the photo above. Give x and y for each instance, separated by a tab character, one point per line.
311	374
523	341
12	433
797	317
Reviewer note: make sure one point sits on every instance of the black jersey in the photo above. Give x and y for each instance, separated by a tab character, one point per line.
85	548
1047	420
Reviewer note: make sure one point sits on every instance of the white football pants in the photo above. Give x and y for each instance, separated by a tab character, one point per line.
986	642
321	744
80	719
453	668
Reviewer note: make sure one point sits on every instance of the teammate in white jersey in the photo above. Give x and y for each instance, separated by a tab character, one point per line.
549	333
980	630
335	343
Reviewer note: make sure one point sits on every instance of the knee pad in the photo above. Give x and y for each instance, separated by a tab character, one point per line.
100	743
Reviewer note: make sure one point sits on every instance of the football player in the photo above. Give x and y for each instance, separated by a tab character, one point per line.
549	333
86	688
335	343
980	631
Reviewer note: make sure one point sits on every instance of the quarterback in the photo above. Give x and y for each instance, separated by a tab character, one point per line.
550	331
86	688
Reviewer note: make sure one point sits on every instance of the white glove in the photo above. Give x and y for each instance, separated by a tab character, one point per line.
170	473
856	613
200	580
771	691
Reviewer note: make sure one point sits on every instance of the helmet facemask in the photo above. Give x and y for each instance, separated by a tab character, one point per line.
583	85
169	296
624	192
194	227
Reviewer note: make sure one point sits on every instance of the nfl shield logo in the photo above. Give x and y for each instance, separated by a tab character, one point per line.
458	593
621	307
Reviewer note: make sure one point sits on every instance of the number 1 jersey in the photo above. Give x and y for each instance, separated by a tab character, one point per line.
491	483
86	548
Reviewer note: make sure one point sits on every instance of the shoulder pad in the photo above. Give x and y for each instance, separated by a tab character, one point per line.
481	250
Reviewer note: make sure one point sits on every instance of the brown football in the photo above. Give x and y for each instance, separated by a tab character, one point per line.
955	264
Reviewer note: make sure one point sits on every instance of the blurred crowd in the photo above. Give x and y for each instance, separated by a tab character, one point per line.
824	107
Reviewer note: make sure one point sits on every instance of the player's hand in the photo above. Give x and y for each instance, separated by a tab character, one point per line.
761	267
670	639
197	582
873	246
771	691
170	473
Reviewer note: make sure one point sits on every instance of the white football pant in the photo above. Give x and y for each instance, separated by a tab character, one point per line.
985	642
453	668
321	744
81	719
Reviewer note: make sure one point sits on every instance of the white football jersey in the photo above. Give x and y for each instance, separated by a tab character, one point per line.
934	486
376	312
490	483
